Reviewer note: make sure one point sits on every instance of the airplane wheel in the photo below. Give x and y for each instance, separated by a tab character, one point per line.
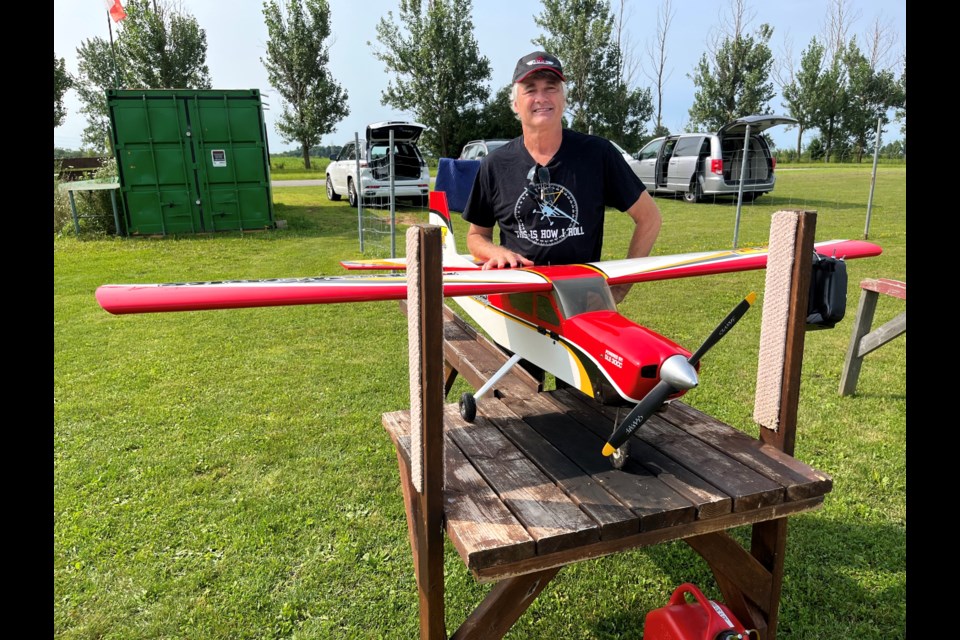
468	407
619	457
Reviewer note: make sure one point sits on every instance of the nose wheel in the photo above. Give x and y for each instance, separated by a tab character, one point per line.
468	407
619	457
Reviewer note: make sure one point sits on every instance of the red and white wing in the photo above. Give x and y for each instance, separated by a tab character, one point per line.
236	294
706	263
465	262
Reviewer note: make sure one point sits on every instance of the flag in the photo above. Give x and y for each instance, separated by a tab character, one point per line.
115	9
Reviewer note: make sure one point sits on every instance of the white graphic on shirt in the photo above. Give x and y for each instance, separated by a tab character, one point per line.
555	216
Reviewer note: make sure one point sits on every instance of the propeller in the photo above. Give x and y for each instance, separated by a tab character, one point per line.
676	374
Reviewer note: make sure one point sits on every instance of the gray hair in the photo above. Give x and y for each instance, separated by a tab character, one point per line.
515	90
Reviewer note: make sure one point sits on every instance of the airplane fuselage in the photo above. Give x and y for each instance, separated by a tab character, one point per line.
575	332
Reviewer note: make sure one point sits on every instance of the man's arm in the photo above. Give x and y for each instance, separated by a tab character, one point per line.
480	245
646	217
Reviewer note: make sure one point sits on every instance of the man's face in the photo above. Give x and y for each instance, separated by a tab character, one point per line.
540	101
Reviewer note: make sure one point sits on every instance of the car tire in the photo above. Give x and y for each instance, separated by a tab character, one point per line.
693	194
351	193
332	195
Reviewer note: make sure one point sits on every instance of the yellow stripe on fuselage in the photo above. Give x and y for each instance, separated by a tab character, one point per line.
483	306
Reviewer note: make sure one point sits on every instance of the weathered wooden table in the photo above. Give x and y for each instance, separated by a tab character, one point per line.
527	491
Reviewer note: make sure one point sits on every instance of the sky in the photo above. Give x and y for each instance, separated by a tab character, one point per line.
504	31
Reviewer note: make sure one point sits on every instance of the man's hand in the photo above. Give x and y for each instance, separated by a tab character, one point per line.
620	292
480	244
500	257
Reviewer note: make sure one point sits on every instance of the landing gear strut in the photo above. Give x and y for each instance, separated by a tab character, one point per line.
468	401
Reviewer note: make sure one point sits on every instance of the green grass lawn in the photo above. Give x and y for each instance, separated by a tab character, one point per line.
287	168
225	475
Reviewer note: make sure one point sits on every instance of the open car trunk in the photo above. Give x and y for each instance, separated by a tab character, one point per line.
406	161
757	168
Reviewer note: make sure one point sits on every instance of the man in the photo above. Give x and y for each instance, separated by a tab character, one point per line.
548	189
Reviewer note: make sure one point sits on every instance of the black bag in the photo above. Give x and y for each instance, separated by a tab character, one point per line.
828	292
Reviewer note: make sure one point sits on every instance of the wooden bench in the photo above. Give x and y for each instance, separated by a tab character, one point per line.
863	340
524	490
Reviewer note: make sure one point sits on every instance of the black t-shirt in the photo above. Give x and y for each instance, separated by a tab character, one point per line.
586	175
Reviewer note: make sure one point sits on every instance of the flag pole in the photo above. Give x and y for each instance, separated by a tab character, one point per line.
113	53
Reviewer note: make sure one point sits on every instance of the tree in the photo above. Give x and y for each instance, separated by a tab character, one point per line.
158	47
495	119
736	81
162	48
829	109
657	55
61	83
582	34
297	67
96	70
579	33
893	150
439	72
806	92
901	112
629	65
870	95
837	26
880	42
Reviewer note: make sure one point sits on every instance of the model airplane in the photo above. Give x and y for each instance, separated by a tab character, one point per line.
561	318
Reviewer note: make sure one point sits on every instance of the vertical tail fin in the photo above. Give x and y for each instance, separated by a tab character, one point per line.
440	216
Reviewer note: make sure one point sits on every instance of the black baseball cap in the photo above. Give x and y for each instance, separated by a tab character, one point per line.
537	61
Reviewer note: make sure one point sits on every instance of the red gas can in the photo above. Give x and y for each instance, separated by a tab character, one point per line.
700	620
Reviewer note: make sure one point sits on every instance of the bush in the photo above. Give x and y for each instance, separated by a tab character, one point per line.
785	156
62	218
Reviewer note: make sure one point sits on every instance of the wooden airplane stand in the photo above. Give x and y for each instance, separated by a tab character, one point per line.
524	490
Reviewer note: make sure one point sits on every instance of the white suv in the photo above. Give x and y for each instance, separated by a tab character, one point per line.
696	165
476	149
411	177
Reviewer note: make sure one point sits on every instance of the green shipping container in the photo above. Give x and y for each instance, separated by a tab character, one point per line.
191	161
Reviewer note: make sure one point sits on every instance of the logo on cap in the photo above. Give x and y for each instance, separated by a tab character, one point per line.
534	62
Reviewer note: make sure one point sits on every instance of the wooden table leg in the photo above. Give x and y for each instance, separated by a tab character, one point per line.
750	581
861	327
503	606
429	574
449	377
